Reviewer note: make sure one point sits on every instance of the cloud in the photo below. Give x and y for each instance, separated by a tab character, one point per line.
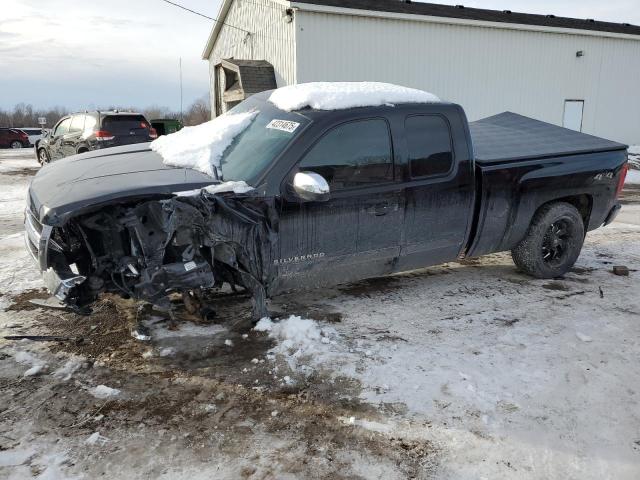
75	53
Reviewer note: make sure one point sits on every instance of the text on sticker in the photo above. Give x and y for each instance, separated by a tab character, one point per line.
284	125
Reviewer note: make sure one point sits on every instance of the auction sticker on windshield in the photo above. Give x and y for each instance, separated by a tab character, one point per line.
284	125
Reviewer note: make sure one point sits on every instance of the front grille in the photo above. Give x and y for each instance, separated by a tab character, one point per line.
38	238
33	233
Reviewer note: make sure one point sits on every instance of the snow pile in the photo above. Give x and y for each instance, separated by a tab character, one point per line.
96	439
102	391
230	186
16	456
35	370
297	337
65	372
202	146
341	95
26	358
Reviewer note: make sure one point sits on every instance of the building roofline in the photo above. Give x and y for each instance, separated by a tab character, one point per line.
438	13
471	16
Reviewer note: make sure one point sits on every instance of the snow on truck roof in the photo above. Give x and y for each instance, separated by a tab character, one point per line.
343	95
201	147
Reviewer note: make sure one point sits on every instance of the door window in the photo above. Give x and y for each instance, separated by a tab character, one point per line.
63	127
429	145
77	124
353	154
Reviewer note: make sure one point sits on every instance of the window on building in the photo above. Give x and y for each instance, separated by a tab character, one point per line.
429	144
353	154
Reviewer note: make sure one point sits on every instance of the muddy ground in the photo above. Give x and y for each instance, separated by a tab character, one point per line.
465	370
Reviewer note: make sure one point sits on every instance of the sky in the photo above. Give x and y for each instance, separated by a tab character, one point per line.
84	55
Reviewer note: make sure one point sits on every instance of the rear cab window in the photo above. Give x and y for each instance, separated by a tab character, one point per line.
429	146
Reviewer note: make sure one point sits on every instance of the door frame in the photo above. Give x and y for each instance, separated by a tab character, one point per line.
564	112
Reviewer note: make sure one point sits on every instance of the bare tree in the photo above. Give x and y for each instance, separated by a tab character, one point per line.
25	115
199	111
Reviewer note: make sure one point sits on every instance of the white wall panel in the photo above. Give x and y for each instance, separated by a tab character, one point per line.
486	70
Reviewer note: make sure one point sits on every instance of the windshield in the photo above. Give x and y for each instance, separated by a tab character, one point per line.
263	140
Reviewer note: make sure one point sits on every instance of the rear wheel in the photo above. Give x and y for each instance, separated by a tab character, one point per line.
16	144
43	156
553	242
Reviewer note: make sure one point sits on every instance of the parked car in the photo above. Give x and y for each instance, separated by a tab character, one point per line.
334	196
165	126
83	132
34	133
13	138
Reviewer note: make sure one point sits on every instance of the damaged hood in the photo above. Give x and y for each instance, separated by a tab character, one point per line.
79	183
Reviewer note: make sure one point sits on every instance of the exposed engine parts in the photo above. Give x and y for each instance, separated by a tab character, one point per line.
151	249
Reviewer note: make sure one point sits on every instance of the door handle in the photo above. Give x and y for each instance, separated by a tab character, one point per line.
380	209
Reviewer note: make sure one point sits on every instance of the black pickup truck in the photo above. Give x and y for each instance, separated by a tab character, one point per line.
337	196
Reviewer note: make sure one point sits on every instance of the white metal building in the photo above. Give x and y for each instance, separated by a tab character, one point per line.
580	73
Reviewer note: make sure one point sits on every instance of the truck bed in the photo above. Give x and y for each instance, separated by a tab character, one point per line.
510	137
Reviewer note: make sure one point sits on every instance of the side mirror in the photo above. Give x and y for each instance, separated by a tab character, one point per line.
311	187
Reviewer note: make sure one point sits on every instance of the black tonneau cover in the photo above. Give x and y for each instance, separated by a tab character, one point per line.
509	136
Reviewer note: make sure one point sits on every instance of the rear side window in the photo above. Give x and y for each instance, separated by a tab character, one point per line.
429	145
77	123
353	154
89	122
125	124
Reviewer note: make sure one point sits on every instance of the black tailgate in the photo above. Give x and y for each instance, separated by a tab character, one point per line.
509	136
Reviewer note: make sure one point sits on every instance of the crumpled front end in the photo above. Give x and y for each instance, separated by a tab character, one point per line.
150	249
48	254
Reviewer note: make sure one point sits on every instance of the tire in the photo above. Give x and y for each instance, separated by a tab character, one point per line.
16	144
552	243
43	156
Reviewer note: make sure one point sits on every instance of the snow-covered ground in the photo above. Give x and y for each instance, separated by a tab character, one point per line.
462	371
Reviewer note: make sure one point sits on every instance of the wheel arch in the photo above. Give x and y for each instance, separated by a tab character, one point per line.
583	203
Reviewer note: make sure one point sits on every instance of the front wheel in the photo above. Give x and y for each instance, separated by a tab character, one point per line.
16	144
552	243
43	156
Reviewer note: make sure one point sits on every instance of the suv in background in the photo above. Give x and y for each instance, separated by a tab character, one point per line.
82	132
13	138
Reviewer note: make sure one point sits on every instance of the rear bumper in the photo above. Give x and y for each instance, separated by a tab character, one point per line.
613	213
58	278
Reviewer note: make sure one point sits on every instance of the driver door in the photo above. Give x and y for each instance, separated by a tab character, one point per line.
355	234
57	137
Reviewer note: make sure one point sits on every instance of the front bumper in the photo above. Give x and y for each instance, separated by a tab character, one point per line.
58	279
